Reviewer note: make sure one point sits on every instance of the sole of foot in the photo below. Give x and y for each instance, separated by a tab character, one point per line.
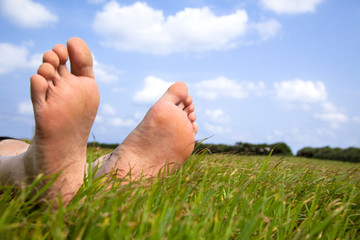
163	140
65	105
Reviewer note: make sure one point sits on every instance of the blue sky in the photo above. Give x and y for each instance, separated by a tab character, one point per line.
260	71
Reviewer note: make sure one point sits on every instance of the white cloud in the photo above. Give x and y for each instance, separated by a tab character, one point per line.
26	13
224	87
300	91
108	116
215	129
14	57
25	108
256	88
291	6
119	122
328	107
108	109
311	95
267	29
11	56
104	73
217	115
139	27
333	118
331	115
153	89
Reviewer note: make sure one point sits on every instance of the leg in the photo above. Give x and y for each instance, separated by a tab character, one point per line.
164	137
65	105
11	147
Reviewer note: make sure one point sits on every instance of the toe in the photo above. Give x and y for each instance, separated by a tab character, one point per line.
47	71
192	117
189	109
38	88
80	58
52	58
188	100
195	128
62	54
177	94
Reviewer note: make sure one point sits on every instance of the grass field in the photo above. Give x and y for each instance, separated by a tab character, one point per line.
210	197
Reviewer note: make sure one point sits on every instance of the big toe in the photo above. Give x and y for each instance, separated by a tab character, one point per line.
177	93
80	58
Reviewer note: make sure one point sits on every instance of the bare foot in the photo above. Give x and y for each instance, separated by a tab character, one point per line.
164	138
65	105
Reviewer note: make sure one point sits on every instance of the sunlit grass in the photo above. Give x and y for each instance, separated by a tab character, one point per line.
210	197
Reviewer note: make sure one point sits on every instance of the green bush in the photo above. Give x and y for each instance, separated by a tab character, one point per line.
246	148
103	145
348	155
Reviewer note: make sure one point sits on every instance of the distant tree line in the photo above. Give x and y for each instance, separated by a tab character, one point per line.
348	155
246	148
103	145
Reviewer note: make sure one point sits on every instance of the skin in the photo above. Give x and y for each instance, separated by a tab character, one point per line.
165	137
12	147
65	105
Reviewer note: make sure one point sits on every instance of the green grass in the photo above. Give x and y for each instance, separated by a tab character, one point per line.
210	197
